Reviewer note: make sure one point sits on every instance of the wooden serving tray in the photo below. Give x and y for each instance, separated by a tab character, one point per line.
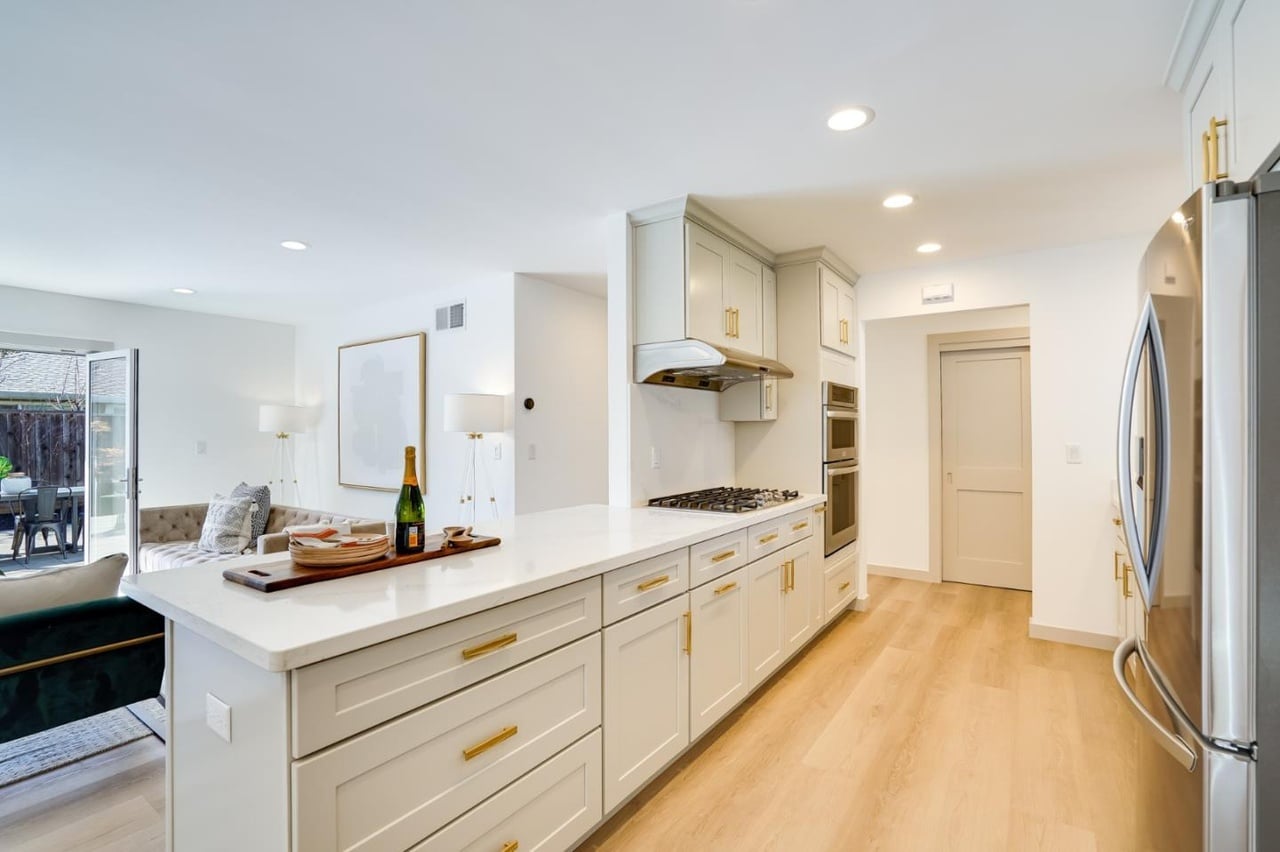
287	575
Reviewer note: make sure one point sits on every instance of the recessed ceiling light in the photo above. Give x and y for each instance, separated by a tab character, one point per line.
184	291
850	119
294	245
929	248
901	199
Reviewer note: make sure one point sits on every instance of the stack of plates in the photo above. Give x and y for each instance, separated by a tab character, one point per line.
351	550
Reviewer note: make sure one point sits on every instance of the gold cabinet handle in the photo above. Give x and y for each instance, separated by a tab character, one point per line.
765	539
728	554
768	397
728	322
820	510
844	585
789	575
1205	174
1212	142
1128	569
481	747
726	588
488	647
688	633
1115	521
511	846
654	583
799	525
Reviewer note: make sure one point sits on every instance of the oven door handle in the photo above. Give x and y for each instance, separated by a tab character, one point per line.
834	470
837	414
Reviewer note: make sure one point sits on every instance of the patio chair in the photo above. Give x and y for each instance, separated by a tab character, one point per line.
39	515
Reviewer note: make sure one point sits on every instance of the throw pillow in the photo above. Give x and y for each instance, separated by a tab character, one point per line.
61	586
261	497
228	526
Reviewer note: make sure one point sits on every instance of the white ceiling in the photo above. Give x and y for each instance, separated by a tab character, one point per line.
150	145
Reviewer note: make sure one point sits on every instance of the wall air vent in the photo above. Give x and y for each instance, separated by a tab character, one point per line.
450	317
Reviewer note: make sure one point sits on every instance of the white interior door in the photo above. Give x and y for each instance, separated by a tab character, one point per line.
986	467
111	457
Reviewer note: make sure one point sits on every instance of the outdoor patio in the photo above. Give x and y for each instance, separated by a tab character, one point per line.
39	561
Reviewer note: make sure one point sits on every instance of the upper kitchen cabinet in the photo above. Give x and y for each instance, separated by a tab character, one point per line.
1226	67
839	312
696	276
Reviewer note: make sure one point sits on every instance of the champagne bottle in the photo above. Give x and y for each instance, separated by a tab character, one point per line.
410	515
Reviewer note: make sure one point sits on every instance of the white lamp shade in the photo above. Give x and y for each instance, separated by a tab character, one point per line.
282	418
474	412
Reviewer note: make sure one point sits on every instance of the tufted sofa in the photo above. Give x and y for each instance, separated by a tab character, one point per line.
169	534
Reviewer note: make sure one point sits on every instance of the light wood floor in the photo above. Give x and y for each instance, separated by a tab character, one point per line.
929	722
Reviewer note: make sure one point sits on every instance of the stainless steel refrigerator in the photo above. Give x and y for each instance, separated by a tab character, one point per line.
1199	480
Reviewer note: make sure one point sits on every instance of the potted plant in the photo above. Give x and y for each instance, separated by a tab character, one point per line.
12	481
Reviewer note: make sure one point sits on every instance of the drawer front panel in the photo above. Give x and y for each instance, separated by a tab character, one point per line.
766	538
547	810
717	557
337	698
396	785
798	525
839	587
637	587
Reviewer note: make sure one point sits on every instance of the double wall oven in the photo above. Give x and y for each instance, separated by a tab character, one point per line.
840	464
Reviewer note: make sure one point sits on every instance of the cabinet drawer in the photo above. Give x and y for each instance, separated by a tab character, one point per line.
839	587
797	526
763	539
717	557
637	587
397	784
547	810
337	698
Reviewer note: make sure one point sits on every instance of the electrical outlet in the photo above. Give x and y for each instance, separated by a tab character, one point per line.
1073	454
497	452
655	458
217	715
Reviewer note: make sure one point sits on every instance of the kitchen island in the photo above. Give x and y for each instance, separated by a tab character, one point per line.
516	695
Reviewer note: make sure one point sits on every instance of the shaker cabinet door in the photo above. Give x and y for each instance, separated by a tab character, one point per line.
718	656
765	644
707	287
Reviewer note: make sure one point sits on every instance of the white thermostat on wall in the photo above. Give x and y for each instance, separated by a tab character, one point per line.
936	294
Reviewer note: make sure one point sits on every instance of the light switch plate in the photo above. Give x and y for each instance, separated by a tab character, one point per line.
655	458
217	715
1073	454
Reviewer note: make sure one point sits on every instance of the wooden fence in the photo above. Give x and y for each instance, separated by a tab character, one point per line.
48	446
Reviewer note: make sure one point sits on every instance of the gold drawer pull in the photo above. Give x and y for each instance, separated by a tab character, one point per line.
654	583
511	846
818	510
843	586
688	633
489	647
480	748
1115	521
768	538
727	587
796	527
728	554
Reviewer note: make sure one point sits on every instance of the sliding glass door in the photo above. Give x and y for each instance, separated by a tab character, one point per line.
111	479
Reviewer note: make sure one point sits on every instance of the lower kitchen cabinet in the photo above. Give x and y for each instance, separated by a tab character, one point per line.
800	595
766	647
646	696
718	650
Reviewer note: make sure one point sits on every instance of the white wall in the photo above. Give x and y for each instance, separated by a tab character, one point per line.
895	463
201	378
477	359
1082	304
560	345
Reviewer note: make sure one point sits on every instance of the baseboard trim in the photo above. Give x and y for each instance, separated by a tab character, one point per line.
900	573
1067	636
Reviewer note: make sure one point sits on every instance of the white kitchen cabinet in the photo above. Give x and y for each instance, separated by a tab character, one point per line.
754	401
800	595
646	696
838	310
718	650
1233	80
766	647
697	276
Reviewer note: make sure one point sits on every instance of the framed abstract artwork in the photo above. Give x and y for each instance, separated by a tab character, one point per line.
382	389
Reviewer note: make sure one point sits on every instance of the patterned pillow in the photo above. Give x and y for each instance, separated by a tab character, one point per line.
261	497
228	526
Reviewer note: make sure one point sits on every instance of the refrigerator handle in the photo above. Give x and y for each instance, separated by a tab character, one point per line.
1240	751
1169	741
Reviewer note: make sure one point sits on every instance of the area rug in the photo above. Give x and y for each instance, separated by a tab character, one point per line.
49	750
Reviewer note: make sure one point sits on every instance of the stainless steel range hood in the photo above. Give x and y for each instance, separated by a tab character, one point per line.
703	366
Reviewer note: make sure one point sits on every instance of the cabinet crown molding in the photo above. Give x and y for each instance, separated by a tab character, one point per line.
816	254
1197	23
690	208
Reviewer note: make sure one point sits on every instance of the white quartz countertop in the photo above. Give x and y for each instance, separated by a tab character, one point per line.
541	551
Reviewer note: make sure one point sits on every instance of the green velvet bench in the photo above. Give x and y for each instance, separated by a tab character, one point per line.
70	662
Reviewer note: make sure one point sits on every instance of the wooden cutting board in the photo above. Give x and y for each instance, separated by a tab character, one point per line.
287	575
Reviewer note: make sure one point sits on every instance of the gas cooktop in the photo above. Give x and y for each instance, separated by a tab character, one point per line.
726	499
